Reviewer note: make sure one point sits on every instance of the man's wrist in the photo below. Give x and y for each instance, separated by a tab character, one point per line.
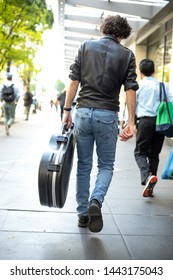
68	109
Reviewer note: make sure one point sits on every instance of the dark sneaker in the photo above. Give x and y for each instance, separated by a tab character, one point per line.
83	221
95	214
148	190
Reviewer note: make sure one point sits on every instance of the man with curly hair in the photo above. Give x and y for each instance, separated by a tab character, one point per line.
101	67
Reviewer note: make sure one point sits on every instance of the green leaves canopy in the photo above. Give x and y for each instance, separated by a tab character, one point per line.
22	23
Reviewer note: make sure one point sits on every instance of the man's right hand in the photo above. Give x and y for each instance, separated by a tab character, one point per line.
67	119
127	132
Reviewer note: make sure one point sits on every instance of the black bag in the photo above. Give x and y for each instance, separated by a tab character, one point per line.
8	94
55	169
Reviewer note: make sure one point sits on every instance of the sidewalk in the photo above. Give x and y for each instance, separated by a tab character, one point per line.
135	228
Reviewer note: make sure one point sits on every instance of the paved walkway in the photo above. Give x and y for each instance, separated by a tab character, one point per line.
135	228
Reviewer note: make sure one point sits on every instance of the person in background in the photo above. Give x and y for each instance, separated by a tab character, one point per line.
61	99
9	94
148	142
51	103
28	99
101	67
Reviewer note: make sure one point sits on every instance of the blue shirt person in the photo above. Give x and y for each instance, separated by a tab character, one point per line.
148	142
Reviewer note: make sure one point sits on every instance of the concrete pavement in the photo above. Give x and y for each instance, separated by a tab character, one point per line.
135	228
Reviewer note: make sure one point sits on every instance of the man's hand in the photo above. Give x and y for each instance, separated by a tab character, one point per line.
67	119
127	132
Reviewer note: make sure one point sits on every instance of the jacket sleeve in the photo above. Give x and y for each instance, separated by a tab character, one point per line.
75	68
17	93
130	80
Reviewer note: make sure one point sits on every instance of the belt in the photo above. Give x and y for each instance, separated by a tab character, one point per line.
145	117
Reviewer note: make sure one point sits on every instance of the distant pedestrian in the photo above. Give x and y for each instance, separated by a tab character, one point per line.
51	103
148	142
9	95
61	99
28	99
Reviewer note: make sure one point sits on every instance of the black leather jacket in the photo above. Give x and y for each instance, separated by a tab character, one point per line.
102	66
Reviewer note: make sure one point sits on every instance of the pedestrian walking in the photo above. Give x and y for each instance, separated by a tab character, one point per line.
9	95
61	99
101	67
28	99
148	142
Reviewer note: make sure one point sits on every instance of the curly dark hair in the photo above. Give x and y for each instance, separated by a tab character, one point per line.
116	26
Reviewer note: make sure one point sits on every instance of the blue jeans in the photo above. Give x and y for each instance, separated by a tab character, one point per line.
100	127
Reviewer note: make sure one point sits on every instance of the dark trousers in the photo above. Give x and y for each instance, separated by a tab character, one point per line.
148	147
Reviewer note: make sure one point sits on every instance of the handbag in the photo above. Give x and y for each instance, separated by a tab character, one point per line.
164	119
168	169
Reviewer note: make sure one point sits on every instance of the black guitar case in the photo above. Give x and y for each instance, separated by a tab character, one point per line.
55	169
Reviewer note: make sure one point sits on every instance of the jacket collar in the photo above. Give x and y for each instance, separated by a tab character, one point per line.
109	36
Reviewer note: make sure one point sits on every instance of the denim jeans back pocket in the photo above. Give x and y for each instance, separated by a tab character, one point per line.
82	122
106	124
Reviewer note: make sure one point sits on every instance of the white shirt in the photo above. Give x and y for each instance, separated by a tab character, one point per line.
148	97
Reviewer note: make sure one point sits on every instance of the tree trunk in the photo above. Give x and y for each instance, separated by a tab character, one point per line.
8	66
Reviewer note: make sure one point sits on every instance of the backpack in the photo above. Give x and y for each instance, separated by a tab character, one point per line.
8	94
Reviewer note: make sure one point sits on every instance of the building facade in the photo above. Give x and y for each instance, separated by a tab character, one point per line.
155	41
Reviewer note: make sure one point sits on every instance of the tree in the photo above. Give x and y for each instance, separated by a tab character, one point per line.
22	23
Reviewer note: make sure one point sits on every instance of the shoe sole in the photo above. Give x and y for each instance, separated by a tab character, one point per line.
148	190
96	221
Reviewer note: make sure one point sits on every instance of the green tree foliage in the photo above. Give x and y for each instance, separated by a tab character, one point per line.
22	23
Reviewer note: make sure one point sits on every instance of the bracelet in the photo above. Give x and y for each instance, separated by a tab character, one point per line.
67	109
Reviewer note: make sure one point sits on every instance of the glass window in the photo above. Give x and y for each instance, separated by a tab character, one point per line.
156	53
160	51
167	58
